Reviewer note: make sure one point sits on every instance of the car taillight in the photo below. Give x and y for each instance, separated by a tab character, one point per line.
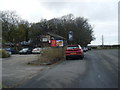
79	49
67	49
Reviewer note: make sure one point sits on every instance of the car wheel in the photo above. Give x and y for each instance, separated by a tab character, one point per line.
82	57
27	52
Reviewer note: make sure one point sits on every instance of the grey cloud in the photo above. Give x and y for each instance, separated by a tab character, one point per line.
104	12
54	5
95	11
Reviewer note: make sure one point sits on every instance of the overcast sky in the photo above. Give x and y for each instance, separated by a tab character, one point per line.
101	14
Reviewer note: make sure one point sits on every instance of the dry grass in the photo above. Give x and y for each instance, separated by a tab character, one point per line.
51	55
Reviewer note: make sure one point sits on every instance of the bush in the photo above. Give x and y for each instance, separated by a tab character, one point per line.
3	54
51	55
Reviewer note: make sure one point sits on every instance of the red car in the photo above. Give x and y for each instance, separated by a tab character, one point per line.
73	51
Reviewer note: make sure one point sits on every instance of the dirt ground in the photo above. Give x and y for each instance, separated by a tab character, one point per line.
15	69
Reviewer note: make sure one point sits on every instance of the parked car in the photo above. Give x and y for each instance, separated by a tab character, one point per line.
74	51
13	51
36	50
85	49
89	48
8	53
25	51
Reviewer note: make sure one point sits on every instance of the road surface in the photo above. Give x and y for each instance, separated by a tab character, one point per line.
99	69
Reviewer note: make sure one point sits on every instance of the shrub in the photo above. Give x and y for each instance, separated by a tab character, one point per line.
3	54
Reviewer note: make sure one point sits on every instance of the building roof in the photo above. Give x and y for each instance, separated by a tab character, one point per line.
55	35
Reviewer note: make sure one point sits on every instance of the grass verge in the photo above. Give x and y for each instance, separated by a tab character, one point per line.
49	56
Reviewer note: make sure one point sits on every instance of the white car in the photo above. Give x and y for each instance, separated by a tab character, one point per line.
36	50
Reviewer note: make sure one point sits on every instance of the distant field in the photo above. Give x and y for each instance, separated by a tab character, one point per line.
106	48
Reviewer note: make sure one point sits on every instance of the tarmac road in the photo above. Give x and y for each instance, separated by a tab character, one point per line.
99	69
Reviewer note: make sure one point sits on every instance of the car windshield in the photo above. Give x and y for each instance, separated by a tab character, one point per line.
72	47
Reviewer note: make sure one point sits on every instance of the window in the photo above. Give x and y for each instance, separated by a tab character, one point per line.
72	47
44	39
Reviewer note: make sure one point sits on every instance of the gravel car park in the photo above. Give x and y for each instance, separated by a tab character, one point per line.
15	69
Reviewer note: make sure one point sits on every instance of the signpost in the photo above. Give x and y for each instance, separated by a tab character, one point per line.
70	36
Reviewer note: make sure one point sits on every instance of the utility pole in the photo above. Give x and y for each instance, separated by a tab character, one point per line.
102	41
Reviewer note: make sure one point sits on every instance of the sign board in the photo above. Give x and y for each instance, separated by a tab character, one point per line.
70	35
59	43
44	39
53	43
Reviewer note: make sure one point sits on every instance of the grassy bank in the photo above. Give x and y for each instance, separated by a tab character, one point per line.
50	56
